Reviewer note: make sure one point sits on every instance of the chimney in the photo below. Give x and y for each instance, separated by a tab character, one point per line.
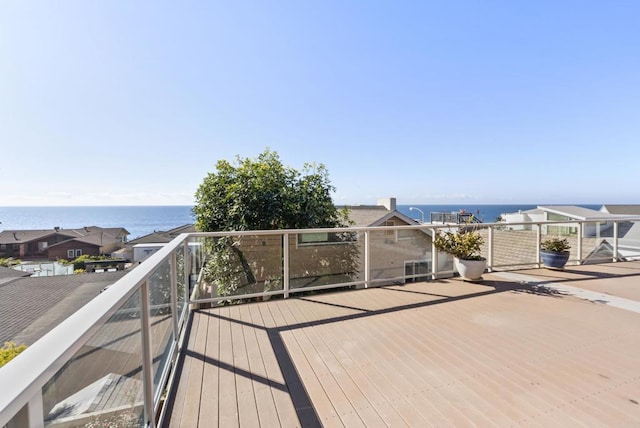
57	228
388	203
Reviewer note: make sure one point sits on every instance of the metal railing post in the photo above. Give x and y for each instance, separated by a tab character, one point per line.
35	411
490	251
147	359
367	259
285	267
187	272
173	269
615	240
538	241
579	244
434	256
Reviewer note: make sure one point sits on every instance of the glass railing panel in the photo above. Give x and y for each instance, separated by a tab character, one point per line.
101	385
325	258
568	230
20	419
197	253
629	240
160	320
180	281
242	265
597	242
445	261
399	255
515	246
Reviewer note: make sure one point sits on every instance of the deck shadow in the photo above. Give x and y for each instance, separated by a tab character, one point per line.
294	385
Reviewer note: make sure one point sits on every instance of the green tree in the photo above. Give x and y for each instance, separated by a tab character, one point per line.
261	194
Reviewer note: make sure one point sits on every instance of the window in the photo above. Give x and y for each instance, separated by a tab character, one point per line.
70	254
42	246
313	238
3	246
325	238
390	233
78	253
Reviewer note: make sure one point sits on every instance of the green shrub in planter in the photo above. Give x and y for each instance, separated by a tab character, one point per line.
463	244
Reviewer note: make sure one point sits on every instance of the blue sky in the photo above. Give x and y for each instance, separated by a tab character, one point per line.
132	103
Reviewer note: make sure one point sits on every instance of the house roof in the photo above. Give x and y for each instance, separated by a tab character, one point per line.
576	212
30	307
6	272
374	215
621	209
159	236
8	275
185	228
97	239
23	236
533	211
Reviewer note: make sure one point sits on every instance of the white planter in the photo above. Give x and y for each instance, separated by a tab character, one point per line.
470	269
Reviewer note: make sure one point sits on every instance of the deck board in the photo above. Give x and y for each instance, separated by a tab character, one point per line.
227	392
439	353
193	394
209	404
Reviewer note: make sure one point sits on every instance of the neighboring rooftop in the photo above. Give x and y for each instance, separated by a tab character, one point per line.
30	307
621	209
22	236
376	215
576	212
160	237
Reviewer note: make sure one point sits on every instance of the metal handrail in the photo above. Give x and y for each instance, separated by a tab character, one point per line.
32	369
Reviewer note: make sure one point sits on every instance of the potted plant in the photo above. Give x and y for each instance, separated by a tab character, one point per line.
554	252
464	245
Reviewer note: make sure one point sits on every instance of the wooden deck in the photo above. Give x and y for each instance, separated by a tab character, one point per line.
440	353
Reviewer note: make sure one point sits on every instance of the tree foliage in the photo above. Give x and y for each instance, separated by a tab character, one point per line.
9	262
263	194
9	351
80	262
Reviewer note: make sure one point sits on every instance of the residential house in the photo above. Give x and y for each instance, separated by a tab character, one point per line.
142	247
394	253
58	243
322	258
597	233
601	221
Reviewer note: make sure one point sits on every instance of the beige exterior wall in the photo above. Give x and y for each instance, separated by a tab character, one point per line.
326	263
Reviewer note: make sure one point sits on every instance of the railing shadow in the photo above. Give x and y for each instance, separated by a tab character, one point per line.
580	274
294	385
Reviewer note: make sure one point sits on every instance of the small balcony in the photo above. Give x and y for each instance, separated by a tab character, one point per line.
347	327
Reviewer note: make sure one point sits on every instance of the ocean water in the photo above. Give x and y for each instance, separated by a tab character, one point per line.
138	220
485	213
142	220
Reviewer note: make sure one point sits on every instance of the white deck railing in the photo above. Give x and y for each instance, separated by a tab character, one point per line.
112	360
